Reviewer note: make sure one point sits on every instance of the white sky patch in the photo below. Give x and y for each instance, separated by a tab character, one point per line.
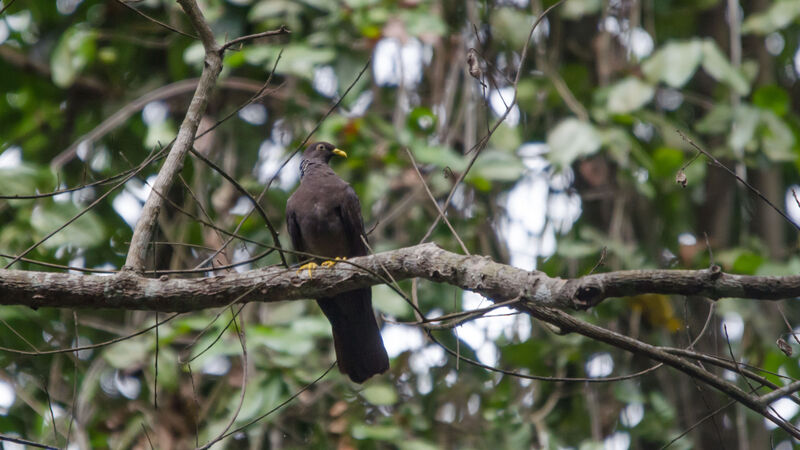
242	207
13	445
563	210
669	99
499	99
473	404
643	131
687	239
129	387
792	208
7	397
240	254
67	7
154	113
128	207
599	365
617	441
423	360
785	408
774	43
394	62
325	81
11	158
424	383
360	106
19	21
480	334
254	114
271	156
216	365
446	413
399	338
631	415
83	341
734	323
4	31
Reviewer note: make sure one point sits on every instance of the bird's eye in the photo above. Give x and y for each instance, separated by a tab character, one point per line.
320	147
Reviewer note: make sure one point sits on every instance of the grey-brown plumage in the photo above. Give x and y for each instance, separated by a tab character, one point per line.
323	217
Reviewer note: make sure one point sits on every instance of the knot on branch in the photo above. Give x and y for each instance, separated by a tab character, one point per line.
588	294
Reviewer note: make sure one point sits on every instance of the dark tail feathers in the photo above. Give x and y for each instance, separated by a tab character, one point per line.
356	337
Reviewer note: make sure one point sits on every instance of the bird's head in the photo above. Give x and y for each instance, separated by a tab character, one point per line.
322	151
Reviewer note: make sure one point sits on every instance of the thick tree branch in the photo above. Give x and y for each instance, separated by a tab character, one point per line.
480	274
174	162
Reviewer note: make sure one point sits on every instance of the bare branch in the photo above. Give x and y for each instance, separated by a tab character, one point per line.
174	162
480	274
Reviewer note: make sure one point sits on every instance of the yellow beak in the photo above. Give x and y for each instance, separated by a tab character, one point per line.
341	153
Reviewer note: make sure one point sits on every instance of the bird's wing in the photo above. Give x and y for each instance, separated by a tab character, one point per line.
352	223
294	230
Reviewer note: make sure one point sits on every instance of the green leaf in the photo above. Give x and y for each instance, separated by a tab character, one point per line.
283	340
571	139
745	120
773	98
575	9
74	51
511	26
496	165
674	63
18	180
747	263
629	95
438	155
718	66
128	353
778	16
380	394
777	138
86	231
297	59
378	432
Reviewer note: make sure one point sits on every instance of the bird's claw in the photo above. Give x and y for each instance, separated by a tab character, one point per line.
331	263
308	266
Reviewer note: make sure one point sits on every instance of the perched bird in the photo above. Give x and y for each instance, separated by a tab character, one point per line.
323	217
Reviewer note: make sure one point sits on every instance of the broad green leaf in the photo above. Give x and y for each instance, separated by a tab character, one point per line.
718	66
776	17
777	138
674	63
297	59
496	165
716	121
128	353
575	9
745	120
571	139
511	26
380	394
18	180
773	98
386	300
377	432
87	231
629	95
438	155
74	51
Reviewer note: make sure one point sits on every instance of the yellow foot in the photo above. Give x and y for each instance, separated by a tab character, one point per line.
308	266
330	263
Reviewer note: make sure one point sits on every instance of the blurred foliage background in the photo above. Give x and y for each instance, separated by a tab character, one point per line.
584	165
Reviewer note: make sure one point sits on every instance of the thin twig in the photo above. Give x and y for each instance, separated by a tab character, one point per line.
279	31
740	179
